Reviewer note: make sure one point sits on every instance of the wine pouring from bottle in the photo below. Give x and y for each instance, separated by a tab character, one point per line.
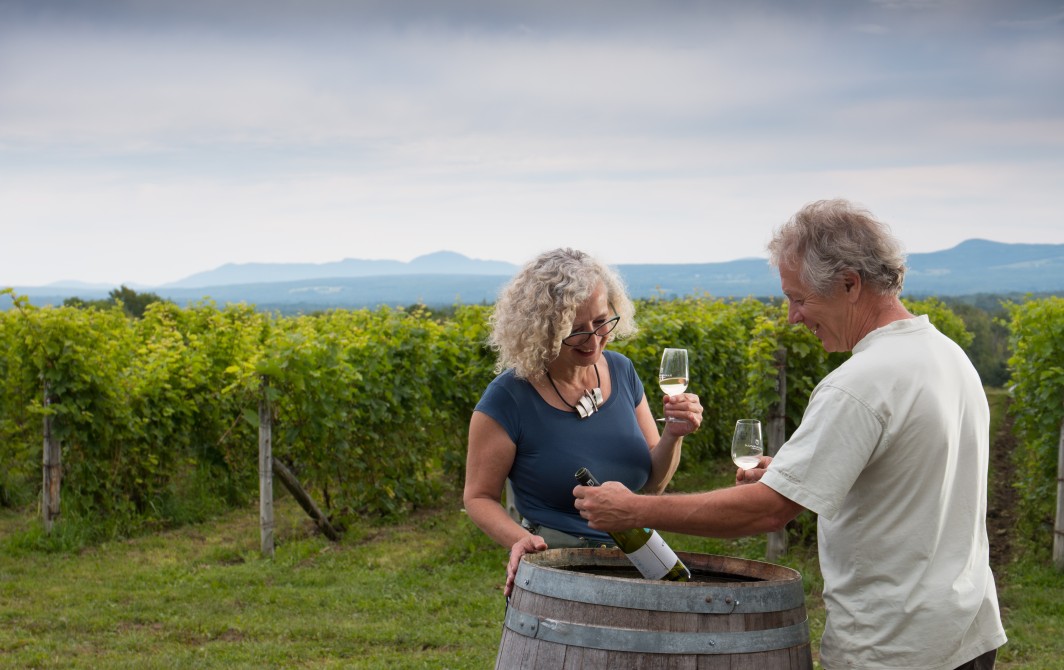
644	547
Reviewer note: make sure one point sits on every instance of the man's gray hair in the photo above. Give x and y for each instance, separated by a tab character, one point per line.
828	237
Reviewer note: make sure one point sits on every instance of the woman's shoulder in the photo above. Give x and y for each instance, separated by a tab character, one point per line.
507	383
505	379
616	356
622	369
618	361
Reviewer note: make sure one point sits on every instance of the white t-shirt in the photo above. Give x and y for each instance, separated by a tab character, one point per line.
892	454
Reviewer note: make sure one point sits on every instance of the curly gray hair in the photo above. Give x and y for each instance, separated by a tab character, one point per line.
535	311
828	237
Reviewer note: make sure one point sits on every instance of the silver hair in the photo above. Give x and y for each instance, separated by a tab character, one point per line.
535	311
829	237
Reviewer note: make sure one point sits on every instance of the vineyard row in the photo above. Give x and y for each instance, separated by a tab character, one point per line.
370	407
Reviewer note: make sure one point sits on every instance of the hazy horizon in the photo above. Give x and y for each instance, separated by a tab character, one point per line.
78	283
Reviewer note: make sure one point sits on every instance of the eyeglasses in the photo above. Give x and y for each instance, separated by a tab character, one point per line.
576	339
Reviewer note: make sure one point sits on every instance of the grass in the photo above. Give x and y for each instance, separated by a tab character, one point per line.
424	593
1030	589
1031	594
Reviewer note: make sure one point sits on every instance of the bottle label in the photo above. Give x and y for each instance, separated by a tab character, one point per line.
655	558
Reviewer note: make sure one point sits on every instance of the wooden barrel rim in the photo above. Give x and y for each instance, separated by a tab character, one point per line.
775	588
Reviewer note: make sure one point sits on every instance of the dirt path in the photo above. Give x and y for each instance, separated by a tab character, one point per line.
1001	510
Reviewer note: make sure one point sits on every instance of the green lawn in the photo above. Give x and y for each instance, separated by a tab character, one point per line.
425	594
422	594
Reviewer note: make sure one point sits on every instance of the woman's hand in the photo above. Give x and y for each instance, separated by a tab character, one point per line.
753	474
529	544
685	407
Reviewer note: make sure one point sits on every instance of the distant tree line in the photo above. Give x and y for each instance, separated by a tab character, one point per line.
133	303
986	317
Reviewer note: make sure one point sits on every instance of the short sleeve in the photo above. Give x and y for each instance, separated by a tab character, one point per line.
499	403
819	464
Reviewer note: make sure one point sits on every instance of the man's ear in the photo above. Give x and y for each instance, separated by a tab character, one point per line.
851	281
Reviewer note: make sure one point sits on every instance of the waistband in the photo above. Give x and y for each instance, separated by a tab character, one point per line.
557	539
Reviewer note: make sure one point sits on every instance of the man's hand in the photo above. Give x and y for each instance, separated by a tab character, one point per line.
606	507
753	474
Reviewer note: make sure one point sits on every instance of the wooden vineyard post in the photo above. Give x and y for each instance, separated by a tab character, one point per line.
288	479
52	468
265	470
1058	534
776	541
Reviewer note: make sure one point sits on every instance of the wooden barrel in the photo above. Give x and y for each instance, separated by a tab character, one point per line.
589	608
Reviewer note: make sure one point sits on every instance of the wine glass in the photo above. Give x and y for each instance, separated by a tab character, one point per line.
673	375
746	443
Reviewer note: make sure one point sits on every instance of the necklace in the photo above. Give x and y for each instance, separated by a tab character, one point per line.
589	401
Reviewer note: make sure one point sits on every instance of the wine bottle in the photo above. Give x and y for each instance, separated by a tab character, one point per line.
644	547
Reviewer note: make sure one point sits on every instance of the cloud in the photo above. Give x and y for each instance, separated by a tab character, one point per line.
304	131
1037	22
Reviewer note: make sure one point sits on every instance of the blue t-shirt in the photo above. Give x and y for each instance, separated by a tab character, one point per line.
553	444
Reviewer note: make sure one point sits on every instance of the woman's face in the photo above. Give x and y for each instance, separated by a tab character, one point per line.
592	314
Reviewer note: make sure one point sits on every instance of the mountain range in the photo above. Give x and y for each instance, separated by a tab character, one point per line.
446	278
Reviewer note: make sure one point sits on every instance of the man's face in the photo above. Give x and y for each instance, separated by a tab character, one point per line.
826	316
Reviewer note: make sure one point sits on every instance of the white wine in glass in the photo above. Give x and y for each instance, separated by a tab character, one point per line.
673	374
746	447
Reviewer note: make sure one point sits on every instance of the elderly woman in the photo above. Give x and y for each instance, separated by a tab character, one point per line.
891	455
562	402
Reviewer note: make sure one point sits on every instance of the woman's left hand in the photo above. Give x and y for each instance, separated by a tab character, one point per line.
529	544
685	407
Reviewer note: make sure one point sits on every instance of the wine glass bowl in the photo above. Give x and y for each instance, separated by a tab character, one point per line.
746	445
673	374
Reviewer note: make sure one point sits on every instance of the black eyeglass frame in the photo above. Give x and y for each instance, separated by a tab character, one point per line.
609	325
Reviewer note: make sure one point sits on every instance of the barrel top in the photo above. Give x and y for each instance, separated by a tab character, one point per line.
740	584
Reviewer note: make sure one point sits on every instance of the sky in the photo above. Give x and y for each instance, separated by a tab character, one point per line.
142	141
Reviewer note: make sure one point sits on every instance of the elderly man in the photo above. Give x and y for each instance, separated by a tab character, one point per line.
891	455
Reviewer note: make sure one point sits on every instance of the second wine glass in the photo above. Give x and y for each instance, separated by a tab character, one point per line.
673	374
746	446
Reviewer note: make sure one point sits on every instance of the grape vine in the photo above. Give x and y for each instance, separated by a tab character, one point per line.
369	407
